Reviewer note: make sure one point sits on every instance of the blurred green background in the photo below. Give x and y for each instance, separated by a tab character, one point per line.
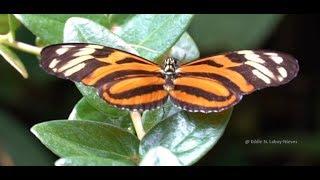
289	112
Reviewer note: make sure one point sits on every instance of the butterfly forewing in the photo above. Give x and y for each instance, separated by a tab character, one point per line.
235	73
122	79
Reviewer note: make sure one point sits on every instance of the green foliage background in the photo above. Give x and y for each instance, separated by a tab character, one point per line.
52	98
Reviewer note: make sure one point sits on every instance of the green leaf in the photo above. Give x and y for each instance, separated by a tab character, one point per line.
187	135
156	32
50	27
13	26
13	60
86	31
185	49
87	138
40	43
4	26
92	161
118	19
226	32
83	110
151	118
160	156
20	144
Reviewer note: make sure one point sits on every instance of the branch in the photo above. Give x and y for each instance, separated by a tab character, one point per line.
4	39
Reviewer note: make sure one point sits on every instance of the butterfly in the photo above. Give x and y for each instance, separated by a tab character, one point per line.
127	81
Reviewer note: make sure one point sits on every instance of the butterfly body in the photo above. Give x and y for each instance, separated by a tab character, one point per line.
169	73
130	82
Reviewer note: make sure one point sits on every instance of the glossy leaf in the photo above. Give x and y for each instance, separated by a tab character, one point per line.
13	23
86	31
160	156
13	60
87	138
185	49
187	135
13	26
50	27
4	26
227	32
153	35
118	19
83	110
151	118
92	161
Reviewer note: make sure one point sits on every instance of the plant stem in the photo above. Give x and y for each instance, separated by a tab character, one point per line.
24	47
137	123
4	39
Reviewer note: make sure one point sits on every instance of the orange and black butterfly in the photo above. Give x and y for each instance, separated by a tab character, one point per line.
130	82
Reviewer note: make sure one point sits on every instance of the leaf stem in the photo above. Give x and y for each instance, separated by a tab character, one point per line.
137	123
4	39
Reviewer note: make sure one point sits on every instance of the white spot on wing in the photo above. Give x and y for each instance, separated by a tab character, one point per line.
280	78
74	62
251	56
84	51
283	72
53	63
68	46
94	46
275	57
61	51
261	68
254	57
270	54
74	69
261	76
245	52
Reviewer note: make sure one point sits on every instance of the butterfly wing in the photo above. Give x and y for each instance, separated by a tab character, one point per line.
124	80
216	83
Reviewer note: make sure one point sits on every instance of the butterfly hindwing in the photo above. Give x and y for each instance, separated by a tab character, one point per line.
201	94
120	77
136	93
239	72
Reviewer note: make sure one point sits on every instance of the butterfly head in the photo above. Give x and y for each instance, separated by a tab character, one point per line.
170	66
